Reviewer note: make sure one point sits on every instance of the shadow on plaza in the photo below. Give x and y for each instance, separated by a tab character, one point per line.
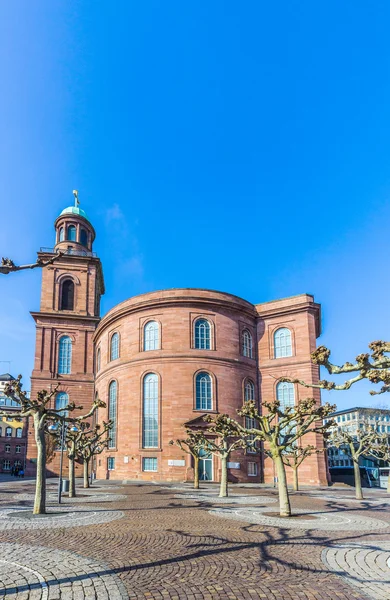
207	545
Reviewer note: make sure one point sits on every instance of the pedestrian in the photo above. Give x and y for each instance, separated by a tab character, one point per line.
12	471
21	473
16	473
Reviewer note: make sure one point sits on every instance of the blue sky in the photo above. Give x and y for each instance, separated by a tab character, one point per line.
236	146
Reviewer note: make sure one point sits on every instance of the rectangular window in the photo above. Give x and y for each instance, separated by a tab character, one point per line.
6	465
111	464
252	469
149	464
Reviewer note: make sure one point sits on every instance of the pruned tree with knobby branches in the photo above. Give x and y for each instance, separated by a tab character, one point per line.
294	456
381	451
221	437
373	365
8	266
192	445
40	410
280	429
91	443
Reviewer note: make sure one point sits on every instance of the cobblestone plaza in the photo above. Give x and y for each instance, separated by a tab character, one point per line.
155	541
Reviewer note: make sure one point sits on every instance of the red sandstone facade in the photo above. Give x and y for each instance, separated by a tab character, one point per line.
173	362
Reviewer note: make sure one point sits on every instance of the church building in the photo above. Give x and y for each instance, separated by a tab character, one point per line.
164	359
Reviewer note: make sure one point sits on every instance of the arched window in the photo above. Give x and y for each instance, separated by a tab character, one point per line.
151	336
98	359
249	391
19	432
83	237
285	394
8	432
64	355
71	233
282	343
202	334
62	400
61	235
204	394
67	295
114	346
247	344
150	411
112	397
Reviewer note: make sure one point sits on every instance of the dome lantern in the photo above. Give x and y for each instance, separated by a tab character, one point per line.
74	231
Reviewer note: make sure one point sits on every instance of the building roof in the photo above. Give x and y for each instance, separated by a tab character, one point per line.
360	408
74	210
6	377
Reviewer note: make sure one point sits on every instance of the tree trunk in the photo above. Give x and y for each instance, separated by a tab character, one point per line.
295	480
72	485
284	500
358	481
40	484
196	472
86	472
223	490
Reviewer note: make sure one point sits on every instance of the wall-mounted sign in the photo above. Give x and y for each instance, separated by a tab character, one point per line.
125	459
176	463
232	465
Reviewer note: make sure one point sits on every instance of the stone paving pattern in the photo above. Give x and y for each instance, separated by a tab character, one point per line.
164	547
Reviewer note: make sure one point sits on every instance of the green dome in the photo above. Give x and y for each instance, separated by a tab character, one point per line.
74	210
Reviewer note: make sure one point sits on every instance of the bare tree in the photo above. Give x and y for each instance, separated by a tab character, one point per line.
193	445
280	429
91	443
294	456
227	437
8	266
373	365
362	439
40	410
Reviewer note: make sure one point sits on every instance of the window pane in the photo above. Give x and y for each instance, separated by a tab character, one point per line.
247	344
110	464
249	391
112	393
71	233
61	238
203	392
202	334
282	343
151	336
67	295
83	237
114	353
149	464
65	355
150	411
285	394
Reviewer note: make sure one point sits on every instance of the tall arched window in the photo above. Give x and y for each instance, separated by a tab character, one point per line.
247	344
150	411
98	360
151	336
249	391
83	237
114	346
8	432
112	397
67	295
71	233
19	431
204	393
202	334
282	343
61	236
62	400
285	394
64	355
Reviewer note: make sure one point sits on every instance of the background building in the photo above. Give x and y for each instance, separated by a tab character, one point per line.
162	360
350	420
13	431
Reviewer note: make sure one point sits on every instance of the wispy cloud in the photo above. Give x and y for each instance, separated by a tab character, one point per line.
114	213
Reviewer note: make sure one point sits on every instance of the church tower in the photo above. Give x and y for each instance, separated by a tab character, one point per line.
69	314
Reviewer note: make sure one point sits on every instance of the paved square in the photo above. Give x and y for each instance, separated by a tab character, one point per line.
159	542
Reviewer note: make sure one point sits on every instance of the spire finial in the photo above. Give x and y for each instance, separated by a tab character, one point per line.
76	198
